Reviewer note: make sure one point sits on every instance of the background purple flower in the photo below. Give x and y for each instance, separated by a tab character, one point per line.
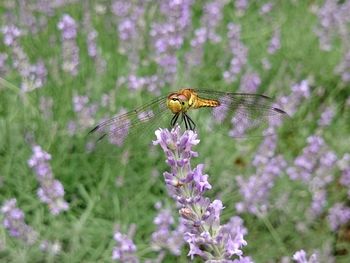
301	257
166	236
124	249
266	8
168	35
344	166
51	191
33	75
13	221
255	190
326	117
210	20
239	52
250	82
339	214
275	42
299	92
70	50
241	6
10	33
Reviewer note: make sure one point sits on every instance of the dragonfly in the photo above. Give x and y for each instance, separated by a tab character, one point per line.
245	109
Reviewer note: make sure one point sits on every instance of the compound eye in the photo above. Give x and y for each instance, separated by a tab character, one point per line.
174	99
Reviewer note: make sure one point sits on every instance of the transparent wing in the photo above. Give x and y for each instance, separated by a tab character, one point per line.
245	111
137	121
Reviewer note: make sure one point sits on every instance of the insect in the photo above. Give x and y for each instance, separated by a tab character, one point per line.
248	110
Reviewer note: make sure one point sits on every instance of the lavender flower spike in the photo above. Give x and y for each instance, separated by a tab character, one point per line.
300	257
125	249
166	238
203	232
14	222
51	191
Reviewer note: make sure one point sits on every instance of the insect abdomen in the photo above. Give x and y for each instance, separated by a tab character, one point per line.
200	103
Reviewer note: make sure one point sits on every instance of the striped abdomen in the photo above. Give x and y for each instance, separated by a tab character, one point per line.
200	103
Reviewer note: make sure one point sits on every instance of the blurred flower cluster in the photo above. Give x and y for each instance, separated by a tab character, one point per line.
51	191
33	75
210	20
239	53
255	190
13	221
334	21
70	49
164	237
124	249
85	114
301	257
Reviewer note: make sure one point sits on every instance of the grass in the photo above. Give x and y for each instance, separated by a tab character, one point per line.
97	203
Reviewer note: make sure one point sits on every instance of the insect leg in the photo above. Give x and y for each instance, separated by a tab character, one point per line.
174	119
184	117
190	122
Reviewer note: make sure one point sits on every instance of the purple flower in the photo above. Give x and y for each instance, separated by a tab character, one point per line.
333	21
11	33
250	83
91	40
266	8
85	114
151	83
239	52
145	115
275	42
212	16
315	168
39	163
125	249
127	30
118	136
300	257
131	27
338	215
200	180
168	36
326	117
319	200
299	92
255	190
166	238
33	75
343	69
203	232
315	159
241	6
221	111
13	221
51	191
344	166
68	27
121	8
70	50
